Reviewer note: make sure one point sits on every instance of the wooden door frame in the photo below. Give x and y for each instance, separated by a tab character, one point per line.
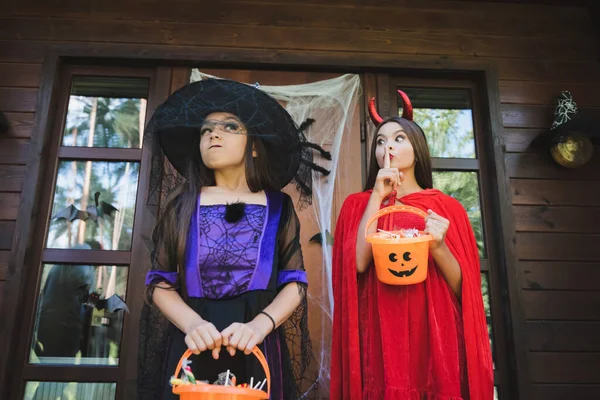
131	54
28	217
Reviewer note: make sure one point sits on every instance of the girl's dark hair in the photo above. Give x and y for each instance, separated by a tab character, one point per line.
417	138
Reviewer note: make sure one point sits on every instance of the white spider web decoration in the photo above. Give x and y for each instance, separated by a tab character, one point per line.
565	109
331	103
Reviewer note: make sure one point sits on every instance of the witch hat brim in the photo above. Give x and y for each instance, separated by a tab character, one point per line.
176	124
588	124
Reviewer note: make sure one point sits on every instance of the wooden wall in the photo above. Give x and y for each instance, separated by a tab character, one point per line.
537	51
18	89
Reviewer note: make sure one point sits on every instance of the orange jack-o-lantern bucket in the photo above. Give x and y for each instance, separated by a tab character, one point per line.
205	391
399	260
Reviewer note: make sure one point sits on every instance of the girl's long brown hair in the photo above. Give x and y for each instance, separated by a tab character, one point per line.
417	138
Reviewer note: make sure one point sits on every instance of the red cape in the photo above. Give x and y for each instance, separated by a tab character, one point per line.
439	317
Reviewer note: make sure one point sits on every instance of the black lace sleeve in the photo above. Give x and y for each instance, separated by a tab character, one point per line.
154	326
162	271
295	329
291	262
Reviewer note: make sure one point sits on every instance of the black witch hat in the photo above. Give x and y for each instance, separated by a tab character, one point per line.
572	135
176	123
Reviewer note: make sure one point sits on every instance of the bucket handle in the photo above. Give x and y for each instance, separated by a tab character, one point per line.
391	210
256	351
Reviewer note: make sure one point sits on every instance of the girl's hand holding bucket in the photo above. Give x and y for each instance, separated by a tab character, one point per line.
243	337
204	336
436	226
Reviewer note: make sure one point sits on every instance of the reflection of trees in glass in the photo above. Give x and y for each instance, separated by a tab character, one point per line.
99	122
71	390
104	122
92	334
449	132
117	183
464	187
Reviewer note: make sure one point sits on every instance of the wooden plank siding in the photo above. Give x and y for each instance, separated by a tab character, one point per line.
537	51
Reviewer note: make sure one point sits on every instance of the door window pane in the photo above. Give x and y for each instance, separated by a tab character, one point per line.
106	112
446	117
79	315
70	391
94	204
464	187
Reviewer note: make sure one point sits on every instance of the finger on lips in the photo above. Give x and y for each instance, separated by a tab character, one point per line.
386	158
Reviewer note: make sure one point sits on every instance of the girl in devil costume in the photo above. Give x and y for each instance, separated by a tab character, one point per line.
227	270
423	341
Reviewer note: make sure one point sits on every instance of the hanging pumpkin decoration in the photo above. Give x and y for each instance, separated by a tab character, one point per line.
572	150
571	146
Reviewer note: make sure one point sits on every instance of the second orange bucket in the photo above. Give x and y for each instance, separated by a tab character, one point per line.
399	260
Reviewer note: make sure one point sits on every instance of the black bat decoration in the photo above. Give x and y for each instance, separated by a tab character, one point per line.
71	213
112	304
93	212
103	208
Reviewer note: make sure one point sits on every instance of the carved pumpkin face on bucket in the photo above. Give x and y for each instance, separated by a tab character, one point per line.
407	269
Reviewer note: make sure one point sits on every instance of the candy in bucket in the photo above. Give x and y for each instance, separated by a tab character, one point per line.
224	388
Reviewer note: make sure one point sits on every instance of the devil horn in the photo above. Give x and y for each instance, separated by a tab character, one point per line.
375	117
407	108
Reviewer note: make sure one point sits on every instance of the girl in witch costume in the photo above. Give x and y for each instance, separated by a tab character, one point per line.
422	341
227	271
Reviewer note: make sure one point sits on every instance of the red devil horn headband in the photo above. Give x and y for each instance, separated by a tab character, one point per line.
407	109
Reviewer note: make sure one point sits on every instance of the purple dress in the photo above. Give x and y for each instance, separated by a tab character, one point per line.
233	271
